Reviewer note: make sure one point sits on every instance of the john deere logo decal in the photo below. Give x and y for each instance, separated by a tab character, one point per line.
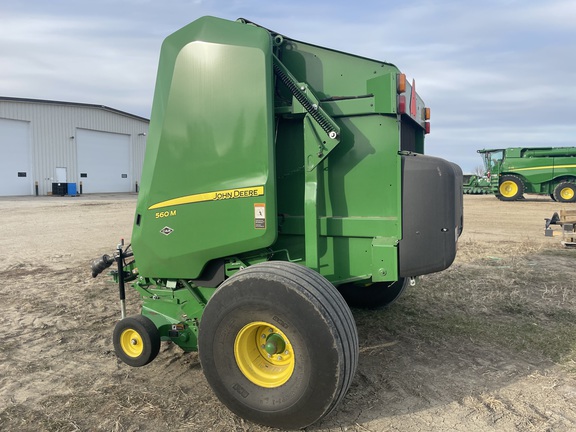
221	195
166	230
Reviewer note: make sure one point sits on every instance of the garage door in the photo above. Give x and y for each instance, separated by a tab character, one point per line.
103	161
15	174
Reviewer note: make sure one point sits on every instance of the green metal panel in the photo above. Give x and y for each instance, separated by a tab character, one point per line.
358	196
565	166
331	73
208	188
532	170
549	152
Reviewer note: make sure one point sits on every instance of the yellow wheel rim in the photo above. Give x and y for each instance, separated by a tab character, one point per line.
567	193
264	354
131	343
508	189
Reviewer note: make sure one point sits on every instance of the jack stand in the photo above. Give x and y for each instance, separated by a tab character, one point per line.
121	290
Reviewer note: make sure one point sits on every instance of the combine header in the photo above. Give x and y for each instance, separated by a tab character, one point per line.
476	185
281	181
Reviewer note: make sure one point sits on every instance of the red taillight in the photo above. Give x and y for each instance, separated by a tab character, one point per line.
402	104
427	127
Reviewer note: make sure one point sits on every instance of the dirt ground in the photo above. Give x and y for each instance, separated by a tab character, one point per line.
489	344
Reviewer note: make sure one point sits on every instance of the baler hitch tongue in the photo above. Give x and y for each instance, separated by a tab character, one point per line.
124	273
101	264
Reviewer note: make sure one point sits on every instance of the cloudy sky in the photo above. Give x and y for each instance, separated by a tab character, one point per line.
496	73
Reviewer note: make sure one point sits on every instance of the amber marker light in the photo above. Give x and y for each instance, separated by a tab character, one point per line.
400	83
426	113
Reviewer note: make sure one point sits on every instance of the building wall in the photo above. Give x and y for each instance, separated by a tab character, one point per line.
53	136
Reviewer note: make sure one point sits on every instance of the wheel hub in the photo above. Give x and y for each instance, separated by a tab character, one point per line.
274	344
264	354
567	193
131	343
508	189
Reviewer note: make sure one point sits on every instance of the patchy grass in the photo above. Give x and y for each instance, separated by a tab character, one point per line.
516	297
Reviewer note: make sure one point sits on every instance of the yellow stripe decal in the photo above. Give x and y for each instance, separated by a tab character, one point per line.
544	167
212	196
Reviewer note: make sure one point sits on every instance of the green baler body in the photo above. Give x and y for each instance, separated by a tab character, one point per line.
239	169
540	168
210	142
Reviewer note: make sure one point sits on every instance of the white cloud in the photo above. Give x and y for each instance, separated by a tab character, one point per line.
495	73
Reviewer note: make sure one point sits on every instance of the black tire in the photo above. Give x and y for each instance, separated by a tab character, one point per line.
312	319
565	192
373	296
511	188
136	340
552	197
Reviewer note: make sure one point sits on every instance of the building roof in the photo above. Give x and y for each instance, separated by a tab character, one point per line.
72	104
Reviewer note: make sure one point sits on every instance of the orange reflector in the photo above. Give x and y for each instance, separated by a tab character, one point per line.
400	83
426	113
402	104
427	127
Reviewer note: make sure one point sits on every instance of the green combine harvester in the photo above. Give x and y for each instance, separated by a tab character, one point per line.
283	182
541	170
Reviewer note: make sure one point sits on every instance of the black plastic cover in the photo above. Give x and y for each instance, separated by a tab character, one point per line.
432	214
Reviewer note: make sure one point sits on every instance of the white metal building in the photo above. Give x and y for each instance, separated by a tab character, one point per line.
46	143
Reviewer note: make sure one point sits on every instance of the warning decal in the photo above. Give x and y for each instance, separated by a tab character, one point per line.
259	216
